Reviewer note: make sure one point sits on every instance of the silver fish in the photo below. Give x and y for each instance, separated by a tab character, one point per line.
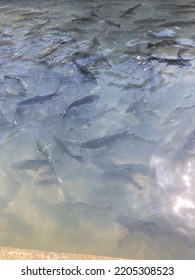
44	149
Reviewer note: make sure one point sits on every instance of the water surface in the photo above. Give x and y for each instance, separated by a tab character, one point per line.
131	195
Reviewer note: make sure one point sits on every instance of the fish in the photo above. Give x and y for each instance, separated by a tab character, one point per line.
134	224
37	27
65	149
126	172
148	20
20	80
125	176
3	118
44	149
30	164
9	135
84	100
130	10
82	206
100	142
47	51
84	70
186	6
162	43
110	22
37	99
172	61
139	108
135	106
177	23
73	29
175	114
83	20
134	168
33	14
72	142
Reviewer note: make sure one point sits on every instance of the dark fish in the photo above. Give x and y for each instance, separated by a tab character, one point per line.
84	70
110	22
177	23
126	172
97	143
134	168
37	99
73	29
133	224
148	20
171	61
186	6
83	20
65	149
30	164
130	10
163	43
84	100
125	176
90	59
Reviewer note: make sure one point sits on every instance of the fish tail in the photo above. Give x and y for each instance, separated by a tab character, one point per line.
79	158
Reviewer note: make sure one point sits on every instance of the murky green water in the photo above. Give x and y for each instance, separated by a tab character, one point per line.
130	192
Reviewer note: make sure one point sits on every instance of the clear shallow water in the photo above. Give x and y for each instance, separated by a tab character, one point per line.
132	197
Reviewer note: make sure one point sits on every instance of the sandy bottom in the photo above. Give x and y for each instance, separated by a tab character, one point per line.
7	253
